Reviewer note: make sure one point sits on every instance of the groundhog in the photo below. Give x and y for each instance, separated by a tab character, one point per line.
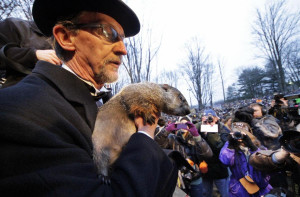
115	119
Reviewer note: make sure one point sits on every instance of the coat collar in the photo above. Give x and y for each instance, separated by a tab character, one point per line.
72	88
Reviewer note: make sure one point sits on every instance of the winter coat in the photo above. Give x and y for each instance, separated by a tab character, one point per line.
19	40
238	164
216	169
47	120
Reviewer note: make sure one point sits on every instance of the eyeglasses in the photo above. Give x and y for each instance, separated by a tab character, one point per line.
105	30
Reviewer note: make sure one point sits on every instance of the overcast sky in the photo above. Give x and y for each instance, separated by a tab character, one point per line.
224	27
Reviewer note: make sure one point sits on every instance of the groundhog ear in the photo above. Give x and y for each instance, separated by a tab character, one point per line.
165	86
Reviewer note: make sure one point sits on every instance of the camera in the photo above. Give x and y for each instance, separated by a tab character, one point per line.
237	135
277	98
209	120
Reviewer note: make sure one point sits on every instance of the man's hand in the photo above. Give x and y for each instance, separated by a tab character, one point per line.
150	129
48	55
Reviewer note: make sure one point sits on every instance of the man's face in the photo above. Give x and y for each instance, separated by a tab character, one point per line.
257	112
94	52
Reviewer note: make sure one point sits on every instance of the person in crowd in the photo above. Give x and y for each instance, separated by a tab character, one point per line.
265	127
267	131
217	172
22	44
245	180
279	109
285	158
47	119
184	137
225	128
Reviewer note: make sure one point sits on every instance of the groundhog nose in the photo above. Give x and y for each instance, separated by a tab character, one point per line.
187	111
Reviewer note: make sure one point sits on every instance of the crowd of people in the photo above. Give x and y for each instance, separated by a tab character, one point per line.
252	148
55	71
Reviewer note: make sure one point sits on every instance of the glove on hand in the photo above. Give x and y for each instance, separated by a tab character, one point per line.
232	143
248	142
171	127
192	129
280	156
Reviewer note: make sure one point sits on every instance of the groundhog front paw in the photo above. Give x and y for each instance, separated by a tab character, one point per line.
148	113
104	179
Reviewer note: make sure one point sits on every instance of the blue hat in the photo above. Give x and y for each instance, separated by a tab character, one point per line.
211	112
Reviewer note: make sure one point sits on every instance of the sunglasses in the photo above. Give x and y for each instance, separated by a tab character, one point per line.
105	30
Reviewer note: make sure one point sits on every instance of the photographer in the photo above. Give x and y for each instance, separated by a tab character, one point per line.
245	180
285	158
279	109
265	127
184	137
210	130
267	131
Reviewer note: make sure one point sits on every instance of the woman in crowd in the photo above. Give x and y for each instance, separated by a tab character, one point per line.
245	180
183	136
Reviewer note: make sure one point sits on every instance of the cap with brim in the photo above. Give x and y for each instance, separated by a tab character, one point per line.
290	140
209	112
46	13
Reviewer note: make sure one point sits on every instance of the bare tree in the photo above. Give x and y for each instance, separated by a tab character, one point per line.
168	77
196	68
6	8
221	68
16	8
293	63
275	29
24	8
138	61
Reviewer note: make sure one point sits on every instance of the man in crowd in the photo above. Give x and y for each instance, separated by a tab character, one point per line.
285	158
217	171
47	119
22	44
265	127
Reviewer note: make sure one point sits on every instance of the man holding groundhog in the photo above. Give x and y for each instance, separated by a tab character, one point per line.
47	119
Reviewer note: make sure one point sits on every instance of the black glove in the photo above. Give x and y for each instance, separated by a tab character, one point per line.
232	143
248	142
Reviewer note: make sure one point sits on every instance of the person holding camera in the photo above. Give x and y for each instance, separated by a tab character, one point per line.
244	180
285	158
183	136
210	129
265	128
280	110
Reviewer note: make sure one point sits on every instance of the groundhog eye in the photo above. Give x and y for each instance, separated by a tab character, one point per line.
181	98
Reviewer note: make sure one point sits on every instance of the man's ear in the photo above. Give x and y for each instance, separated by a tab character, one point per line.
64	37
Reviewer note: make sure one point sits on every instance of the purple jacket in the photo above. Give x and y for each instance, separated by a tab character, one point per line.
239	166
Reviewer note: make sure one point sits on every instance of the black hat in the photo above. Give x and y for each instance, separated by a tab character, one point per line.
47	12
290	140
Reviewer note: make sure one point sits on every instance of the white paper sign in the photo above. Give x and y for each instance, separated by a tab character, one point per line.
209	128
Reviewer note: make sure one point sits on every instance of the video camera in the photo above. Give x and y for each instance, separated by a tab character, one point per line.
237	135
277	98
293	109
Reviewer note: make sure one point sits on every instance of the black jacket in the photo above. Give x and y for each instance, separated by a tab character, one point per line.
19	40
46	122
216	169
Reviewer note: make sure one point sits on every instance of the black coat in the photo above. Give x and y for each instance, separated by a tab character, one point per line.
20	39
46	123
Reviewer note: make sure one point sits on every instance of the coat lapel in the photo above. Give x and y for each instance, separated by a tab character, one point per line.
72	88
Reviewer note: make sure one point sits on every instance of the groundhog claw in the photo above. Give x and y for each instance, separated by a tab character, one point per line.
104	179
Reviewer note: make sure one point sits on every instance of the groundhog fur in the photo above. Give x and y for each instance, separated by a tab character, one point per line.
115	119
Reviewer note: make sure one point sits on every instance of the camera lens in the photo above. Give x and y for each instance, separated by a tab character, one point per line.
237	135
210	119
